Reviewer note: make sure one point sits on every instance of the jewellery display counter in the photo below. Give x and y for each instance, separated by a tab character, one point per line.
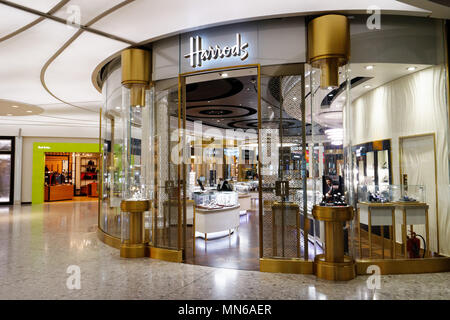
390	205
216	212
245	199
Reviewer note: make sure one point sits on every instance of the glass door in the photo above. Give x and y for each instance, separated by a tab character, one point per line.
284	219
7	170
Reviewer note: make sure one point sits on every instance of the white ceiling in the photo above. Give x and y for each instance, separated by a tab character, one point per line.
71	97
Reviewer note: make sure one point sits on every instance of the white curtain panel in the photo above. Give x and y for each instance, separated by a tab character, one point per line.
411	105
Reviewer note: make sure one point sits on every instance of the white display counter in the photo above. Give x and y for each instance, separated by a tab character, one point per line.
210	221
245	201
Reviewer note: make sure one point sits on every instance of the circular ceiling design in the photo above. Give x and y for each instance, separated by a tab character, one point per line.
213	90
18	109
219	111
265	124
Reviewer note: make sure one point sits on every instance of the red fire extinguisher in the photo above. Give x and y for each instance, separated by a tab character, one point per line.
413	245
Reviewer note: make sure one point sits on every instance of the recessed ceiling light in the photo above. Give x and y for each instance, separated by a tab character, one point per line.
367	86
14	106
307	86
411	68
369	67
9	114
29	111
294	98
224	75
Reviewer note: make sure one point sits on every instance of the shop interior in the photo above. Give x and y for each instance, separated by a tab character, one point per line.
223	177
71	176
221	110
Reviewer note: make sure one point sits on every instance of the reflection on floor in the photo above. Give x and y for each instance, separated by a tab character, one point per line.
240	250
38	243
77	199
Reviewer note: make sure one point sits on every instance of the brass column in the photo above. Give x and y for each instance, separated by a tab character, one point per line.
136	77
134	245
329	47
334	265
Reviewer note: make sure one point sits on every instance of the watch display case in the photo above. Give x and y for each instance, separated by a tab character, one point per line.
391	193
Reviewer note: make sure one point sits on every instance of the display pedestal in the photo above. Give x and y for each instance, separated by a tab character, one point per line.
133	243
333	265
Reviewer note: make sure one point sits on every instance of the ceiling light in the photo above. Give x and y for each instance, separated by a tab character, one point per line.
411	68
9	114
307	85
117	108
369	67
14	106
224	75
294	98
29	111
367	86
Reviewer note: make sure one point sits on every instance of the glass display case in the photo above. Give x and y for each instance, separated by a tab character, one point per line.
385	193
215	199
242	187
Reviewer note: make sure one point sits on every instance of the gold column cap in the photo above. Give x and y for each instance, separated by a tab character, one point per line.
135	67
135	205
331	214
329	37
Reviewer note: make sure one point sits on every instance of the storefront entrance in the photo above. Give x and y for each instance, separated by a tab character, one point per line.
71	176
244	136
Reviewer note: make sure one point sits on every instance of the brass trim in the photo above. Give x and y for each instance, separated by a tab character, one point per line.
298	266
331	214
85	27
133	250
58	6
405	266
336	271
72	39
108	239
170	255
134	205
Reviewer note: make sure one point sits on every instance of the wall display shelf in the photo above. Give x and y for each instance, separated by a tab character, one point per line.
88	176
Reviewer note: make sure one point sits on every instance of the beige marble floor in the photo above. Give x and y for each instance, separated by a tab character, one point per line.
38	243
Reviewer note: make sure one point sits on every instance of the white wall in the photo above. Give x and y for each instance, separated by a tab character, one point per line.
411	105
27	159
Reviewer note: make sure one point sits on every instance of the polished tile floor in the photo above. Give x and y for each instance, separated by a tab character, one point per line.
39	243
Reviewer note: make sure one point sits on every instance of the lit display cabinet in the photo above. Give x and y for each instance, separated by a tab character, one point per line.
242	187
137	147
216	199
391	193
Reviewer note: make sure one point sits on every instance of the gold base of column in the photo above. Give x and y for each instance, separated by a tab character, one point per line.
299	266
133	251
336	271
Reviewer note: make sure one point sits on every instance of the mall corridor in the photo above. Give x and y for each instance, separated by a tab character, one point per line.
38	243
